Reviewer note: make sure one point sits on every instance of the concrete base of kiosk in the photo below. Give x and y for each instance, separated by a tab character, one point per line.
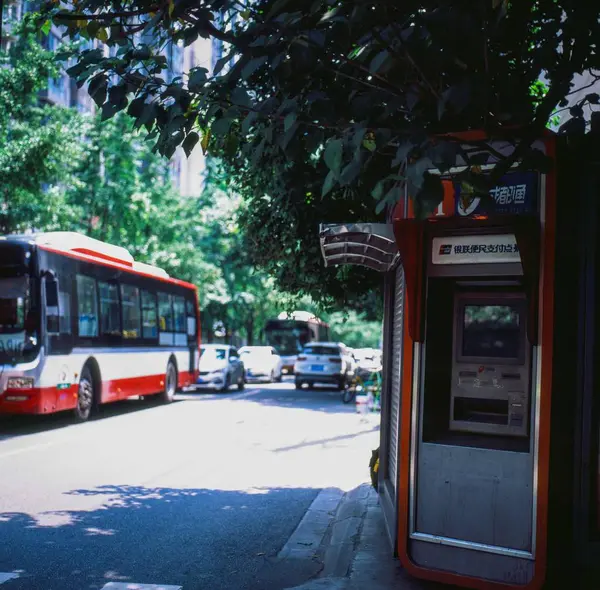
459	561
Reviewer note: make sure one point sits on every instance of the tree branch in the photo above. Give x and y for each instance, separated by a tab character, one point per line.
109	15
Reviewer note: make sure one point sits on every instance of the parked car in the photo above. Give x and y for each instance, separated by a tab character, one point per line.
262	363
324	362
368	359
220	367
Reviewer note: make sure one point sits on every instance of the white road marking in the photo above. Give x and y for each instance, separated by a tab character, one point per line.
136	586
5	577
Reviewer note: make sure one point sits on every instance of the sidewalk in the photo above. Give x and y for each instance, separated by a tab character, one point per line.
356	551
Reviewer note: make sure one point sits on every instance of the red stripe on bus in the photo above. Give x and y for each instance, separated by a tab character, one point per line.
47	400
120	266
95	254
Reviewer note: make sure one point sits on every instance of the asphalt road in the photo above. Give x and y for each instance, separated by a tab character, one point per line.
199	494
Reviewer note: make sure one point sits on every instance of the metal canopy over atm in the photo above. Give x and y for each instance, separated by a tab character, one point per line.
366	244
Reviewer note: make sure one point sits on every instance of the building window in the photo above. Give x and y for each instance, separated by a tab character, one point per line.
130	301
109	309
149	329
87	306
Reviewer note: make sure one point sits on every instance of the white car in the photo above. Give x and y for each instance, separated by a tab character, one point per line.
262	363
324	362
368	359
220	367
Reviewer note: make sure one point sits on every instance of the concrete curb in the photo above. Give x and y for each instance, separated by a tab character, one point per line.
308	537
344	534
338	542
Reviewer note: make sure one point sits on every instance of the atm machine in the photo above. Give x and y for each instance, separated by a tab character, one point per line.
470	466
491	372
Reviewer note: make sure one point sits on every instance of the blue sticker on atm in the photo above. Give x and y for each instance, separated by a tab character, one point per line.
515	193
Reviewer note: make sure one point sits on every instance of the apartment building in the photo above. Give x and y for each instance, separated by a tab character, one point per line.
187	173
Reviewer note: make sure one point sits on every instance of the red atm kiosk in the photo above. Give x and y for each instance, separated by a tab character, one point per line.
476	384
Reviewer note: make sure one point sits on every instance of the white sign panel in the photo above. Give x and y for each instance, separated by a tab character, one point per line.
475	249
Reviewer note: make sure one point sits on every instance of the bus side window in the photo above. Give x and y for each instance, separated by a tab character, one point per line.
149	328
165	314
64	306
191	320
87	306
179	321
110	310
130	307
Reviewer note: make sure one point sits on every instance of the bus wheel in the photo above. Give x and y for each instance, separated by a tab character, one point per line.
85	396
170	384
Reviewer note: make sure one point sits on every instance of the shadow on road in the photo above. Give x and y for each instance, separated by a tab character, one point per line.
324	441
14	426
198	538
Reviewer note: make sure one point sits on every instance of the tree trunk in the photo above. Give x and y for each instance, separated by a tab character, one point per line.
250	331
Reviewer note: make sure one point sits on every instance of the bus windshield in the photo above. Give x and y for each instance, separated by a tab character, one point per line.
288	339
15	304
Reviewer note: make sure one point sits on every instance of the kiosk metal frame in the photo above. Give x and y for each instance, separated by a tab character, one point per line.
462	558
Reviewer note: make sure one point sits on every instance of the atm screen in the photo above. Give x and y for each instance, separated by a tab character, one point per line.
491	331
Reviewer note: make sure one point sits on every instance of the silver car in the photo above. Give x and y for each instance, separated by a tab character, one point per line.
220	367
324	362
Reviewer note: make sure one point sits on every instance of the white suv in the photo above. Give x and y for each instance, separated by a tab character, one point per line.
324	362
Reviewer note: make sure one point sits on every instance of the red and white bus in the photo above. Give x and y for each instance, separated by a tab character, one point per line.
82	324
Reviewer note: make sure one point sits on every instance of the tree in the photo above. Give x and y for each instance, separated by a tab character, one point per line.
39	144
359	97
354	330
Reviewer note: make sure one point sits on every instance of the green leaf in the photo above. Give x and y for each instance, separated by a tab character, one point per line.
46	27
97	89
241	97
197	79
258	152
253	65
402	152
220	63
377	192
221	127
277	8
289	134
205	140
289	120
333	155
136	106
330	181
189	143
378	61
142	52
381	205
92	28
369	144
248	121
350	172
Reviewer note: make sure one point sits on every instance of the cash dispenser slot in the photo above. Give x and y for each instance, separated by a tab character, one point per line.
481	410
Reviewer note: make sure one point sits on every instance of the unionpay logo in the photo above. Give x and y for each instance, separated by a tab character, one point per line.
445	249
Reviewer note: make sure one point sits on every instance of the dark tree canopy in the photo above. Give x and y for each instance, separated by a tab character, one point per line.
325	108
